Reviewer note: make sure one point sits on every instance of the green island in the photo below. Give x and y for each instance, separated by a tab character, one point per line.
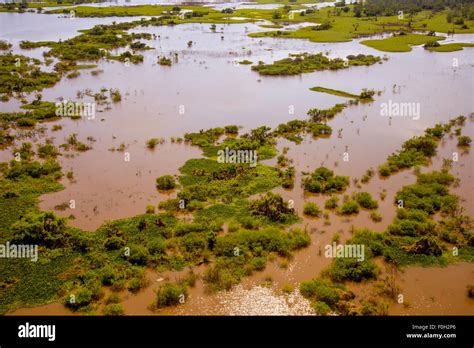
306	63
364	96
452	47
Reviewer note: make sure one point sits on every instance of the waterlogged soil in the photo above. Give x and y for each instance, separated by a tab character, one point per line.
207	88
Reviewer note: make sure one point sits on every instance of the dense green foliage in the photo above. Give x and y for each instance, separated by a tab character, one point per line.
306	63
323	180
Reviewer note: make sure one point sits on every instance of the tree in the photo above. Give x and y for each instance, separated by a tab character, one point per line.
43	228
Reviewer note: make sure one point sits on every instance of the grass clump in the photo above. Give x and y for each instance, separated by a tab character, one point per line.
401	43
113	309
170	294
273	207
375	216
164	61
349	207
365	200
416	151
331	203
464	140
165	182
306	63
311	209
323	180
22	74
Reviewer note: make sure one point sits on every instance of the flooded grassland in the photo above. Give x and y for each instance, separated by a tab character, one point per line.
207	87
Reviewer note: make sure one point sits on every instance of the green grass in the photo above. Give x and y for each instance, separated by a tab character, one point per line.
346	26
22	74
306	63
26	284
417	150
334	92
365	96
271	26
401	43
450	47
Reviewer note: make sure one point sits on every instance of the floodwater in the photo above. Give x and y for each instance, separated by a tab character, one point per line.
207	88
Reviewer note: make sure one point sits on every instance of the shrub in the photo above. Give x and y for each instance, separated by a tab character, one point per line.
113	309
331	203
25	122
138	255
365	200
169	294
323	180
232	129
273	207
349	207
249	223
156	246
43	228
164	61
287	288
165	182
464	140
426	245
258	263
78	299
135	284
352	269
324	292
47	151
431	44
151	143
376	217
112	298
311	209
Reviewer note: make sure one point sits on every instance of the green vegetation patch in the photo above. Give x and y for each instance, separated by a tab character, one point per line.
22	74
306	63
365	96
401	42
323	180
419	149
450	47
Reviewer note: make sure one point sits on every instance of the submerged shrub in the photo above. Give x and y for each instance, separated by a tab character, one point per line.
165	182
464	140
170	294
323	180
273	207
113	309
365	200
44	228
331	203
351	269
349	207
311	209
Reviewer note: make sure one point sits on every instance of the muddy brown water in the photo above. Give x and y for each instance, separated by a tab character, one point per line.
212	90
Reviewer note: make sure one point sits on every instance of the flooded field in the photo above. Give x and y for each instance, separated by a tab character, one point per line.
207	87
